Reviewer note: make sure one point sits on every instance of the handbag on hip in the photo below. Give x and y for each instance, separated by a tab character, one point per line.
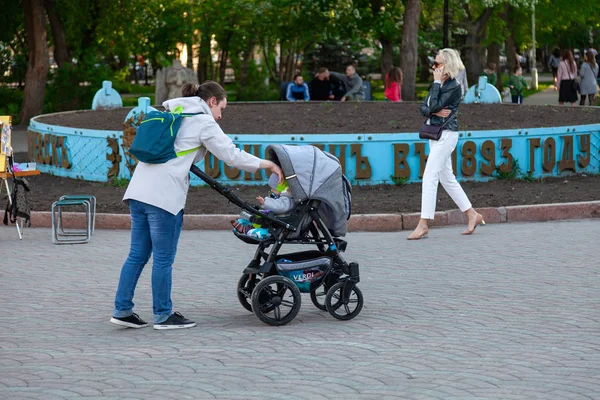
576	86
433	132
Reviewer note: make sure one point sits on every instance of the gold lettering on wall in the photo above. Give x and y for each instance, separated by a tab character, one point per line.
401	167
363	167
339	150
505	146
420	151
47	153
252	149
211	165
230	172
468	164
567	161
48	150
454	158
584	144
533	144
488	152
549	154
114	157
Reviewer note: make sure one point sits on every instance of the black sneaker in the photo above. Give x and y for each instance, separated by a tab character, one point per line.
175	321
133	321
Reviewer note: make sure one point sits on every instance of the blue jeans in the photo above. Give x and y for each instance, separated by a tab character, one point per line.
517	98
153	230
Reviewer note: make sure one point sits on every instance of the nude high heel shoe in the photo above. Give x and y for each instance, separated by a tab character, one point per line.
478	221
416	236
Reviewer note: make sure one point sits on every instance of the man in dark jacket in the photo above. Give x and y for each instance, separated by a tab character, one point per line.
321	87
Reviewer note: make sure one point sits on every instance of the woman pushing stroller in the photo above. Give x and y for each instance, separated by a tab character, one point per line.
157	194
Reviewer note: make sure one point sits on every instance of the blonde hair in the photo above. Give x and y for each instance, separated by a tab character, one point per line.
452	62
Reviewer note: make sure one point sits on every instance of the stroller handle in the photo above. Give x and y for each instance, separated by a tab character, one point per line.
235	199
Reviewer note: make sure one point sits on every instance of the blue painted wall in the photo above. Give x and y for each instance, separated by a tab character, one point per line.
366	158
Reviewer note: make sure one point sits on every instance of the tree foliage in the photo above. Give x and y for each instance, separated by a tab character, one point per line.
263	42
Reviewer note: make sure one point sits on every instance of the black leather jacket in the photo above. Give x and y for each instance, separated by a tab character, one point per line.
447	96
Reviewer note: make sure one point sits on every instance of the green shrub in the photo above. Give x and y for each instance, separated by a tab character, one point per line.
11	100
399	181
511	175
133	101
73	87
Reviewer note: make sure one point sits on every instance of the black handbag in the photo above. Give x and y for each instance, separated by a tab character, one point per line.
576	86
433	132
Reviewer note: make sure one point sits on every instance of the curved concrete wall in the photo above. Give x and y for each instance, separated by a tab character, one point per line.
366	158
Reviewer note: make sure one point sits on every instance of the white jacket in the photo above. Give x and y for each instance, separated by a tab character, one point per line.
166	185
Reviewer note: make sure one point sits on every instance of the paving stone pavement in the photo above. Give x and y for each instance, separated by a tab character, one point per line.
512	312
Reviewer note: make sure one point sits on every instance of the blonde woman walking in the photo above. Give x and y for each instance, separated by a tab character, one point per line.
445	95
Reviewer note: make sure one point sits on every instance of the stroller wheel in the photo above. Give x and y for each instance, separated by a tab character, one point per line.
318	295
245	286
276	300
338	307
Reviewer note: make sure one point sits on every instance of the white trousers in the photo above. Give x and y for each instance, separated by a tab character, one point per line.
439	170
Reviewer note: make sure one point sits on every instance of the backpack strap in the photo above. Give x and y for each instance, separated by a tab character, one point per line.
178	110
186	152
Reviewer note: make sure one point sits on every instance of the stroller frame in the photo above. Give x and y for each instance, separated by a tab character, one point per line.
261	274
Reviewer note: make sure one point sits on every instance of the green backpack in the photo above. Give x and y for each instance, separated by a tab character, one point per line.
154	141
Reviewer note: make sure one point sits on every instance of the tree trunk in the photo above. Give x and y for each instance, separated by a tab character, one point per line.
247	57
89	34
387	50
409	51
204	57
189	63
267	60
224	57
387	56
473	50
223	66
493	56
426	68
511	47
37	71
61	51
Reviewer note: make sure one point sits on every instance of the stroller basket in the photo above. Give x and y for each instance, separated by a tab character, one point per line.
251	240
306	269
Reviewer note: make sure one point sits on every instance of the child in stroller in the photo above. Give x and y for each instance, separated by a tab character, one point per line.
279	201
271	284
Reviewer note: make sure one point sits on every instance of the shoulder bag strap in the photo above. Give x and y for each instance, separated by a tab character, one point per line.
448	119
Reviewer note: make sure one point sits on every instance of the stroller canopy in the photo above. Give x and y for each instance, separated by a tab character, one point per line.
316	175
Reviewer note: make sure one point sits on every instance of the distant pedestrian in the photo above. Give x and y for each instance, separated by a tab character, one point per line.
353	84
297	90
393	85
517	85
589	74
321	87
462	80
490	73
565	79
554	62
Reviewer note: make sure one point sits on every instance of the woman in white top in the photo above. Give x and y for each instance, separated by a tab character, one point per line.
589	74
565	79
156	196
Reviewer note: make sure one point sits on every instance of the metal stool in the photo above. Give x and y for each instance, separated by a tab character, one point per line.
92	215
59	235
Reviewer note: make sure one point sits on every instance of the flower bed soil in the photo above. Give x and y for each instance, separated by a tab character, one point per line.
377	117
336	117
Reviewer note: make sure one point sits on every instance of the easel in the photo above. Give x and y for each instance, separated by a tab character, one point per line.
5	171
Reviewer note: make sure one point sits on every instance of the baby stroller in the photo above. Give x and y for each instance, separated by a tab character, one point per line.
271	284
